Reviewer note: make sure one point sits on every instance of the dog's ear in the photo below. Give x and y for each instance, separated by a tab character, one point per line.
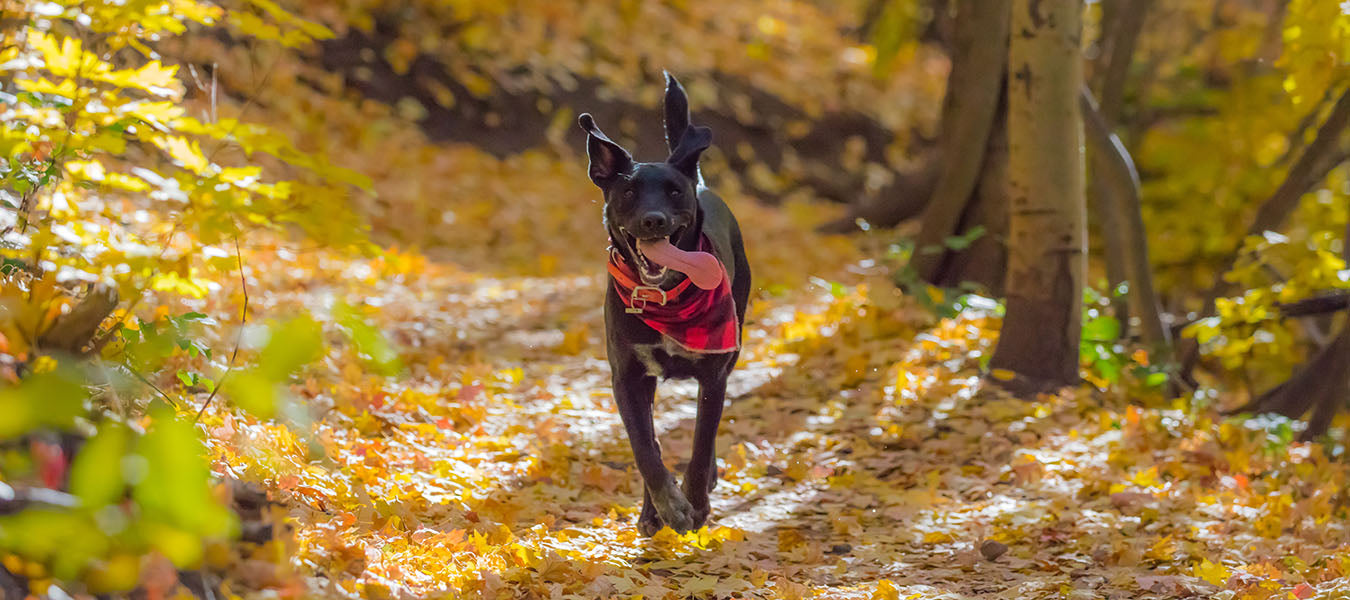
677	112
686	154
608	159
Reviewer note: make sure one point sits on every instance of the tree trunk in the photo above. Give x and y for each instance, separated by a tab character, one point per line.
72	332
972	102
1125	25
985	261
1123	218
1046	255
1122	22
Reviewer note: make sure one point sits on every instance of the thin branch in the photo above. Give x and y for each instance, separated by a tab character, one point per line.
238	336
239	119
1295	142
13	500
147	382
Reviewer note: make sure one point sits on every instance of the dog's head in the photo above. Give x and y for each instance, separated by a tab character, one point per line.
647	201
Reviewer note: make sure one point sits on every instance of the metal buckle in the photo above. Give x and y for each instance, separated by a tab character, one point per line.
636	308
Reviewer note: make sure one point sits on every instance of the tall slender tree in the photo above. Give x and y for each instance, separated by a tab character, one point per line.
1047	205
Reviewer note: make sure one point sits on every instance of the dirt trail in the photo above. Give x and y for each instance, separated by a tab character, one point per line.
860	457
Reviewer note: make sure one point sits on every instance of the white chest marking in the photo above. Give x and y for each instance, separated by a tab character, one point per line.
646	353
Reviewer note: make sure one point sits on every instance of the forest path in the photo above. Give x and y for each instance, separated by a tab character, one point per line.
861	456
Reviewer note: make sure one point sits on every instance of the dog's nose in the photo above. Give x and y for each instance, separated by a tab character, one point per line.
655	222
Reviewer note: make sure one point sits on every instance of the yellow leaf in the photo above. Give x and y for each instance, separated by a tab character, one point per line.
886	591
789	539
185	152
1147	478
1214	573
937	537
152	77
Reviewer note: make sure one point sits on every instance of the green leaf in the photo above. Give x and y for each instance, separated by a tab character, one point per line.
291	345
963	241
1108	367
376	349
51	399
1101	329
96	473
254	392
66	540
176	487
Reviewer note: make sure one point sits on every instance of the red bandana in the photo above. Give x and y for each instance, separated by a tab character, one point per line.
702	321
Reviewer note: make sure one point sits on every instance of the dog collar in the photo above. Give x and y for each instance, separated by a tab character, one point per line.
701	321
640	294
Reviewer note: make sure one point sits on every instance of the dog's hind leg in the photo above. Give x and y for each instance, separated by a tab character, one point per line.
701	478
634	391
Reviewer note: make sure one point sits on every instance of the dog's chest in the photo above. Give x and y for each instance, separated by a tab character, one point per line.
667	359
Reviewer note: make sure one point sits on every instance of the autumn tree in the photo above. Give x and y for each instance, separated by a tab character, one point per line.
970	194
1046	217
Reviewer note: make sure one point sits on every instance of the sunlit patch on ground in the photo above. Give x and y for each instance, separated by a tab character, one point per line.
861	456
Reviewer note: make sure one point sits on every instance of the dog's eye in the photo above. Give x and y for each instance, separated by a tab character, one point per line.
675	193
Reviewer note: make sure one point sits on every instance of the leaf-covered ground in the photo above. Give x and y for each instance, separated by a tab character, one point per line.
861	456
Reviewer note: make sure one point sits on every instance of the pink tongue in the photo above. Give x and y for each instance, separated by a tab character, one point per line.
701	268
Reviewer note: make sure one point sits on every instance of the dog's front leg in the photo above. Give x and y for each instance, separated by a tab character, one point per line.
702	475
648	522
634	391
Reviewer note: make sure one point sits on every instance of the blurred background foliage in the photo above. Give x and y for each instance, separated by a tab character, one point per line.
147	145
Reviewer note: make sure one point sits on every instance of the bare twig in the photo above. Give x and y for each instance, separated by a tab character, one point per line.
250	103
15	499
238	336
142	379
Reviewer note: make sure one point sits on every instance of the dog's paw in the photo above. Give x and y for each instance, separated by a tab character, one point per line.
698	498
674	509
649	523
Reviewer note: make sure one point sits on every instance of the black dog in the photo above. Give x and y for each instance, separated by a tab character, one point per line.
657	324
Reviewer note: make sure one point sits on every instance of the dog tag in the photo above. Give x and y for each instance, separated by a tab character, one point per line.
633	311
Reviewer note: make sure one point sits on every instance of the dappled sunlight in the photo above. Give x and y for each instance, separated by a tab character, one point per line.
308	299
848	457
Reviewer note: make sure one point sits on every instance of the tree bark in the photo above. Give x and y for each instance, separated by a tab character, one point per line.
1123	218
1125	25
1046	255
985	261
972	101
1122	22
73	330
